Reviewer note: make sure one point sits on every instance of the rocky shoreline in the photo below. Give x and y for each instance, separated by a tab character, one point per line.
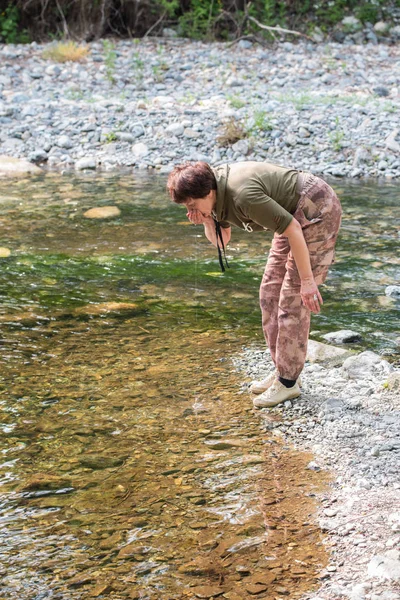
349	416
330	108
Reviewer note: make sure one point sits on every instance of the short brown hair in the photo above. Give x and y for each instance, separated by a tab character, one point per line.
191	180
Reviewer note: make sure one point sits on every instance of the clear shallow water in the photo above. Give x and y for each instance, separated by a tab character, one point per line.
131	464
151	252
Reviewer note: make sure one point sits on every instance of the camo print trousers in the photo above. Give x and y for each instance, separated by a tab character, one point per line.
285	319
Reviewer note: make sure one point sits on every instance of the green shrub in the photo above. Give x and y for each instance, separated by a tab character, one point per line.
9	34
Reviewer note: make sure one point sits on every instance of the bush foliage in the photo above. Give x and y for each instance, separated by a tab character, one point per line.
24	20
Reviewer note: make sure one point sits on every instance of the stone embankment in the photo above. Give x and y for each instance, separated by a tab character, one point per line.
328	107
349	416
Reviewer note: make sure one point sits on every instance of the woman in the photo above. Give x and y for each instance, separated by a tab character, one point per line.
304	213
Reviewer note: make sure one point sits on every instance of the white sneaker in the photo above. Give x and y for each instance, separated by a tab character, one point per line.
258	387
276	394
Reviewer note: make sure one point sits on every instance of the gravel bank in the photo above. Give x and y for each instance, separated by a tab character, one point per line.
331	108
349	416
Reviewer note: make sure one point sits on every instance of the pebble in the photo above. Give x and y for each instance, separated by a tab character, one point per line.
46	107
348	416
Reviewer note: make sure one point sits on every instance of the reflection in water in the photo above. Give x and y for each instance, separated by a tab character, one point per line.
132	465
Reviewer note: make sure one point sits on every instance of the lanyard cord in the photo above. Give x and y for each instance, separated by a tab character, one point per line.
218	234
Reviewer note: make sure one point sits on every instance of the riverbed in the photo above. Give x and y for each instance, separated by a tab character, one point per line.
134	465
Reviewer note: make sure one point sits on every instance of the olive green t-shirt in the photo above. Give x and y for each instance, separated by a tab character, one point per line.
256	195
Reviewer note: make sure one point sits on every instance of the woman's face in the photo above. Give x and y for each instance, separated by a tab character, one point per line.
204	205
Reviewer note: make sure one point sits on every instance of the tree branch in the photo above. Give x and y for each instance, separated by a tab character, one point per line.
155	24
278	29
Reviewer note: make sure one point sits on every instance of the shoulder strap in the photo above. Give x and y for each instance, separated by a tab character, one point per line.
218	234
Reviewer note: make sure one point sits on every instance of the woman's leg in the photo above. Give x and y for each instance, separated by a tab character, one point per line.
322	205
270	290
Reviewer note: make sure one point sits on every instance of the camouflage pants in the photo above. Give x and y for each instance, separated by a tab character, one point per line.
285	319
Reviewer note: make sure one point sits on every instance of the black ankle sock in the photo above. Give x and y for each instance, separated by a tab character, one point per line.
287	382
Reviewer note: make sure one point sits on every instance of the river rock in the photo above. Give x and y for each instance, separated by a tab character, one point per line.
344	336
102	212
358	591
381	90
175	129
319	352
242	146
88	162
393	381
393	290
225	444
17	167
351	24
381	27
361	156
64	142
44	481
391	142
207	591
97	461
385	566
107	307
167	32
366	364
139	150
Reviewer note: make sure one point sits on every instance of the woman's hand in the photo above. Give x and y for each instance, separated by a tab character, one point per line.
310	294
196	217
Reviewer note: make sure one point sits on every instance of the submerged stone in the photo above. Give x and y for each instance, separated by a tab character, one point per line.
107	307
102	212
100	462
207	591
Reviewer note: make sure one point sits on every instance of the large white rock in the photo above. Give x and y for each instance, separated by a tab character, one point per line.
365	365
385	566
319	352
10	166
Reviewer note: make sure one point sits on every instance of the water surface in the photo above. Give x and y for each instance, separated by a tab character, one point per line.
132	464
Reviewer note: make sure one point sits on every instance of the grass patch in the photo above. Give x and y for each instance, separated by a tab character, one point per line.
336	136
236	101
262	122
110	59
66	51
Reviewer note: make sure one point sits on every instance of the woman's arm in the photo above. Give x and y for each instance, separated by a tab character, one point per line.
197	218
301	256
